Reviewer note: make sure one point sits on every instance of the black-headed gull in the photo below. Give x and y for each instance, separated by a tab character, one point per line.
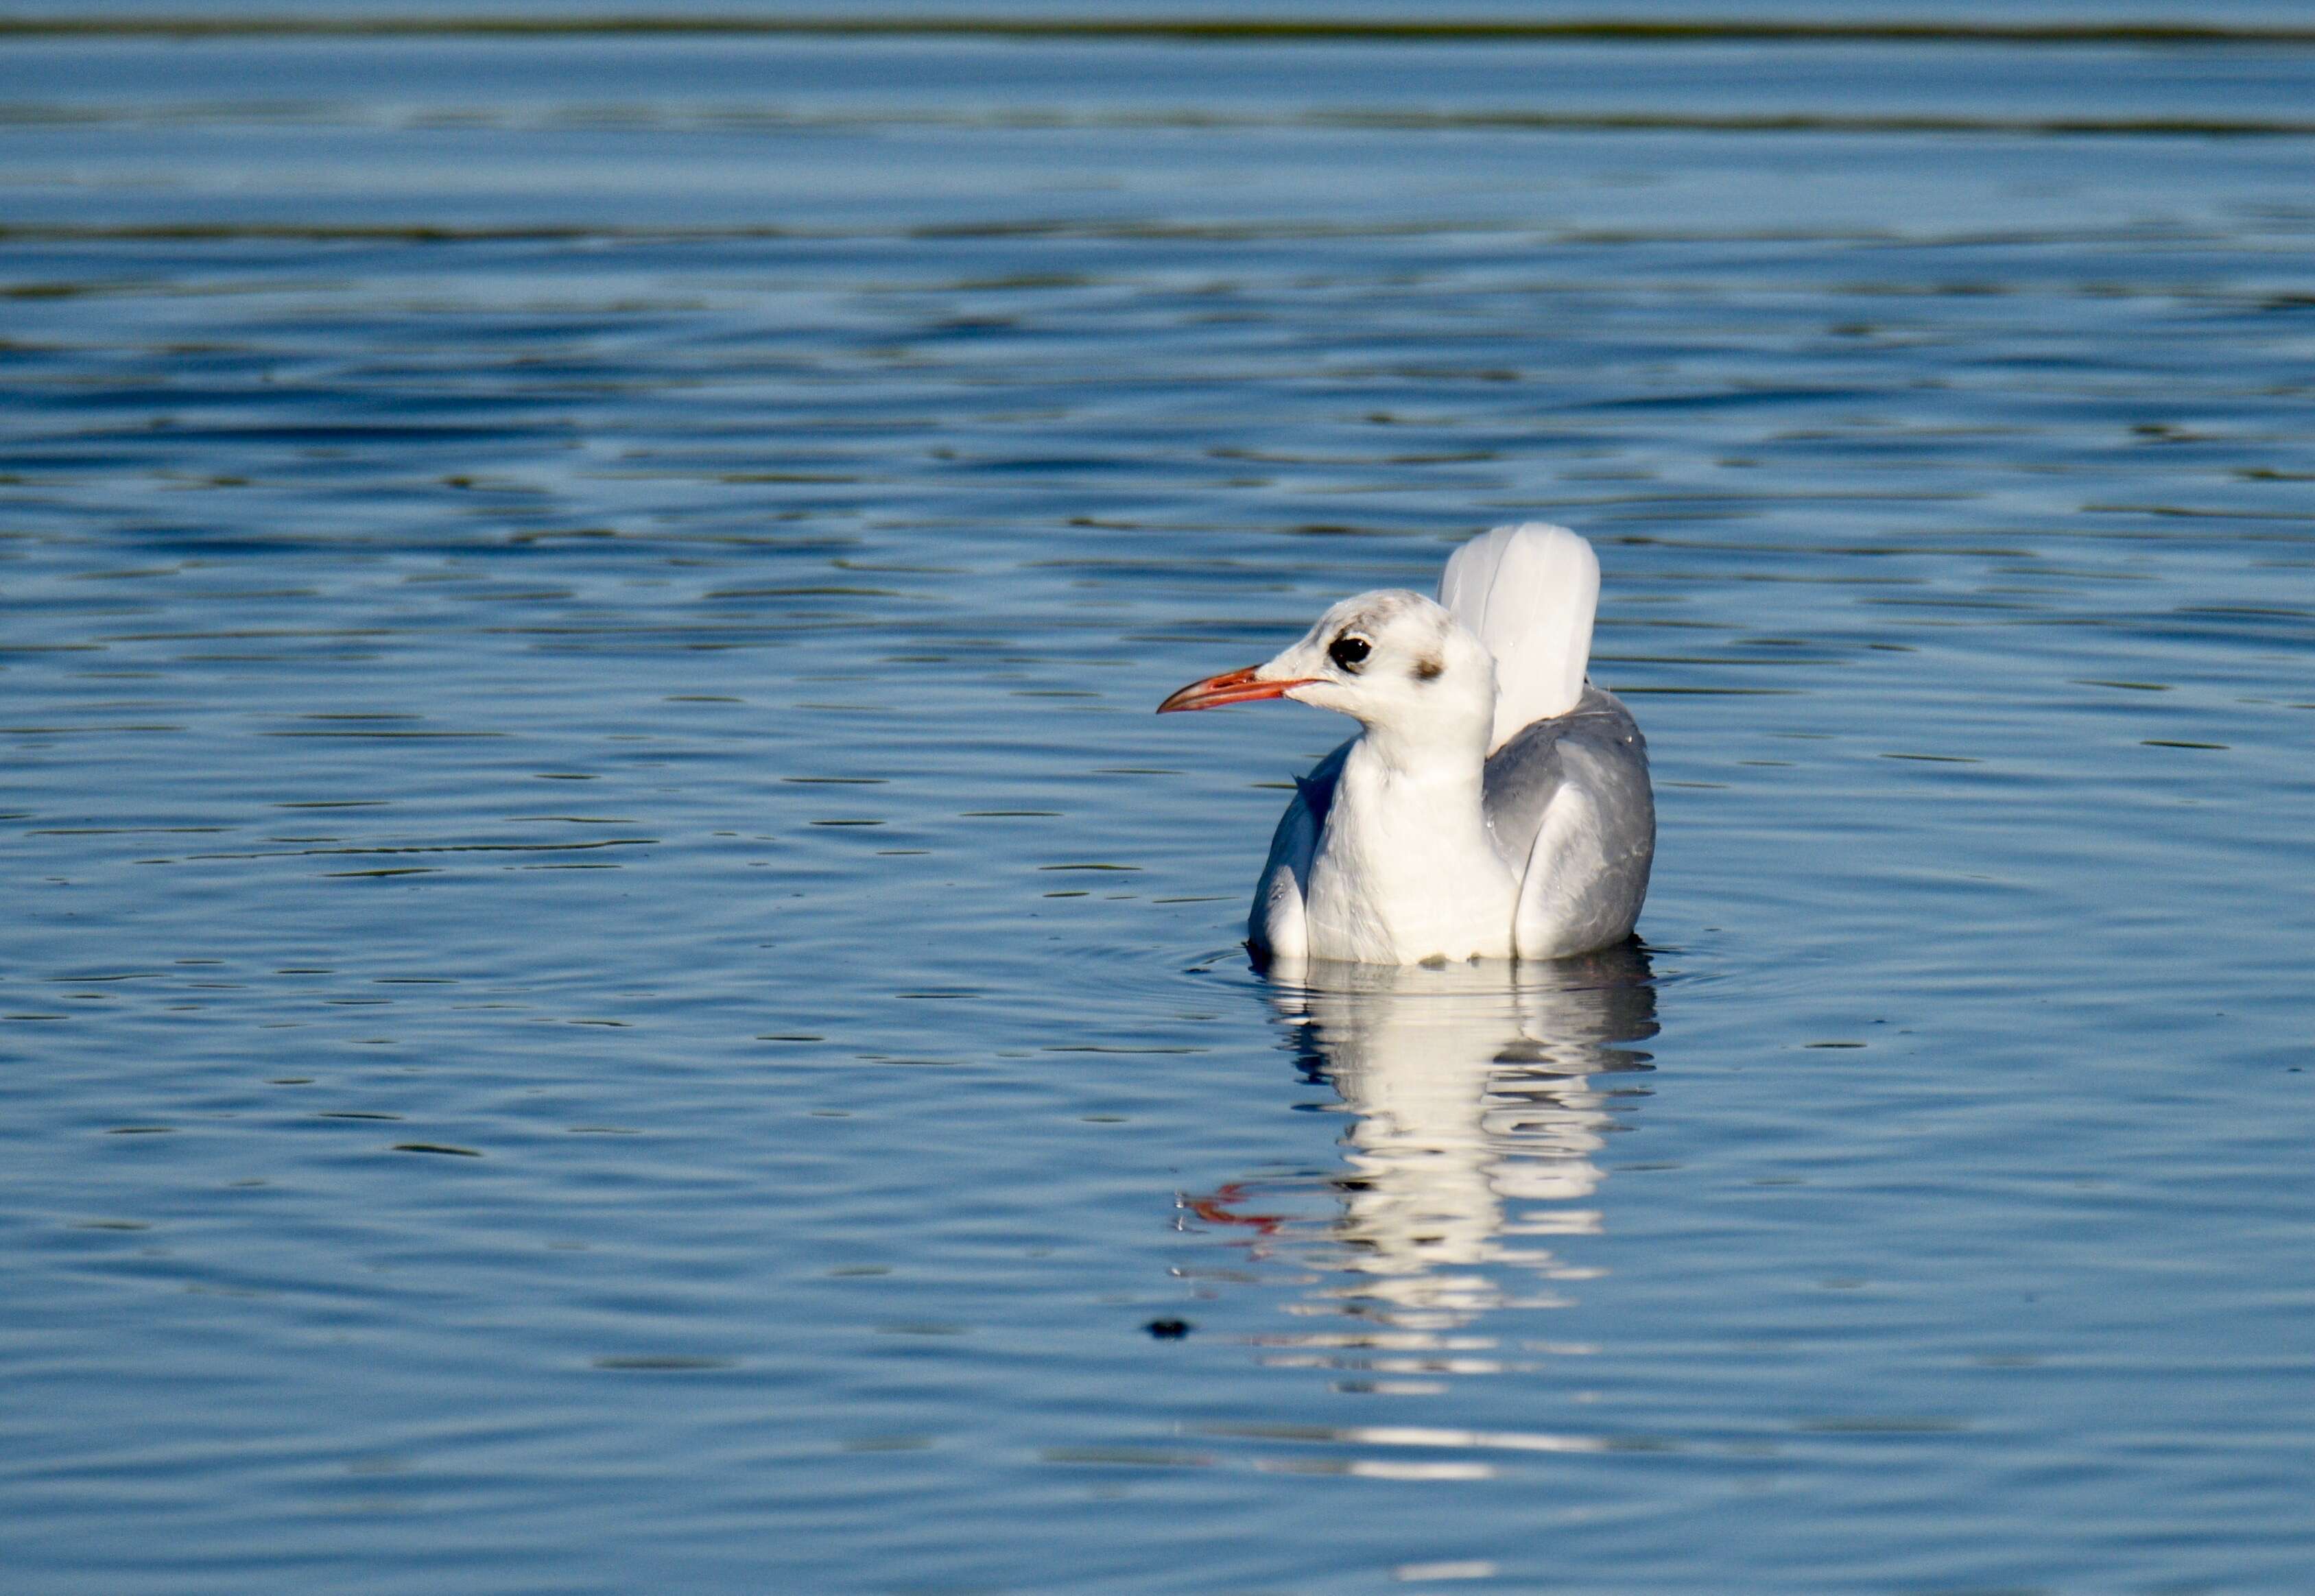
1495	805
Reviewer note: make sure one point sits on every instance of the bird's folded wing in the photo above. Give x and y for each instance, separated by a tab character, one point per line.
1279	924
1559	911
1570	806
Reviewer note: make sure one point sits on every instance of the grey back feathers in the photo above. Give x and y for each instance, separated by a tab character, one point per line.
1568	802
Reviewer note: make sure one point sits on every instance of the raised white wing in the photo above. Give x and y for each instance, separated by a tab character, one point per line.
1529	593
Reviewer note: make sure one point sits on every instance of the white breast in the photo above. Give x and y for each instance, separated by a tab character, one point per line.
1404	871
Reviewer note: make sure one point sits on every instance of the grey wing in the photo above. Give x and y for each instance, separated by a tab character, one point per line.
1278	926
1573	815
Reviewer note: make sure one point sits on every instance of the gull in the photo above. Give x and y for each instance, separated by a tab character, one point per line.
1495	803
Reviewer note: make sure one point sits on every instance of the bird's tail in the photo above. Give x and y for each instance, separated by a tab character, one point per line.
1529	592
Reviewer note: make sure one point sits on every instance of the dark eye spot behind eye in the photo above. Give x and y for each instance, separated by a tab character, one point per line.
1347	651
1429	669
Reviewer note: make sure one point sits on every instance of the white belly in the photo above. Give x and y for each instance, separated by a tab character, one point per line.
1399	888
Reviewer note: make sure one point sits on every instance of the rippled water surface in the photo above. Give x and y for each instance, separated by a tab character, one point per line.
609	985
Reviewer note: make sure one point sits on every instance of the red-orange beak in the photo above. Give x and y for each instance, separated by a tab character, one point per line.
1231	686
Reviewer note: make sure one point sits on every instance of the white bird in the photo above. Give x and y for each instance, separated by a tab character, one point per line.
1495	804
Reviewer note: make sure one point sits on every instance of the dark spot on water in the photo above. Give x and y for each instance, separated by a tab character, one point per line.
661	1365
1124	1457
1168	1329
1869	1425
436	1146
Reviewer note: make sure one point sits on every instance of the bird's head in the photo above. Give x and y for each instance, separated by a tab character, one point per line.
1392	660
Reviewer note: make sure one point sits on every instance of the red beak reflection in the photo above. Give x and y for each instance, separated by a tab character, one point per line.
1231	686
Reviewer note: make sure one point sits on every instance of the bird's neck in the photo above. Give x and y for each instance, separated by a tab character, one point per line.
1405	869
1449	750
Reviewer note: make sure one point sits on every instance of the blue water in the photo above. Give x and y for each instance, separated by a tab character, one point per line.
609	986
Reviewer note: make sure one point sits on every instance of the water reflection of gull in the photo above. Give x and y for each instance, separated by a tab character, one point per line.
1479	1111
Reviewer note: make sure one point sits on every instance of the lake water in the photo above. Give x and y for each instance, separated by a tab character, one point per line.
609	985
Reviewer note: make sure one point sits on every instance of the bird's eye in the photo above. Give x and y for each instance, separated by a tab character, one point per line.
1347	651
